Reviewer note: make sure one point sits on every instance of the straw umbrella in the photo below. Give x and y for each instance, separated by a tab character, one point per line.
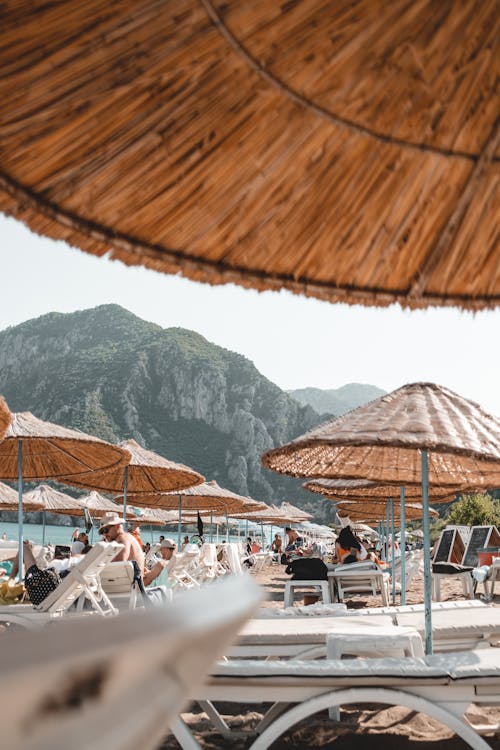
35	450
54	501
378	207
98	505
5	417
9	501
420	432
365	490
147	473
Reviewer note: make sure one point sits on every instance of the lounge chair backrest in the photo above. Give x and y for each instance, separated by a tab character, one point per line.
82	577
152	658
117	577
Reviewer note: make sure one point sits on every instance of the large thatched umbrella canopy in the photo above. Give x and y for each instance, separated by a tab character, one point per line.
381	441
371	511
363	489
350	153
98	505
9	501
54	501
207	496
146	472
5	417
50	451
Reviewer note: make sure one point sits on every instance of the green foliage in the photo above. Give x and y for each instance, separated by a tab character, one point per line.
475	510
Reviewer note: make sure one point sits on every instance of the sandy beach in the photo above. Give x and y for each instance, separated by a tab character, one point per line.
366	727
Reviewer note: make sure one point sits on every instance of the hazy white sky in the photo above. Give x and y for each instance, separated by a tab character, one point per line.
295	342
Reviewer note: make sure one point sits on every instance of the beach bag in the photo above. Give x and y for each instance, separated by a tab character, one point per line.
308	569
40	583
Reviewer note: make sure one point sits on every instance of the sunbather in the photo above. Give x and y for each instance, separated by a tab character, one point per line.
158	573
348	548
112	530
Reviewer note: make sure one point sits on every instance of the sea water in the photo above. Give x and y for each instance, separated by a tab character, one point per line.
62	534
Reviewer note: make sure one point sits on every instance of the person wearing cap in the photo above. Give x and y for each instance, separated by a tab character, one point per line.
159	571
112	530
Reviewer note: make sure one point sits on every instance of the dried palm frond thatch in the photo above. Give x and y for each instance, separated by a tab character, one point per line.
381	441
9	501
363	489
5	417
98	505
350	155
147	472
208	496
51	451
377	511
54	501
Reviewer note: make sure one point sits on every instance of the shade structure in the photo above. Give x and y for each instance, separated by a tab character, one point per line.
152	516
377	511
54	501
363	489
98	505
147	472
34	449
9	501
290	509
207	496
381	441
350	154
5	417
51	451
420	431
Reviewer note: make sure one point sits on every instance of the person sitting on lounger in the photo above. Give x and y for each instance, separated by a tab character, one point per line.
159	572
294	548
112	530
348	547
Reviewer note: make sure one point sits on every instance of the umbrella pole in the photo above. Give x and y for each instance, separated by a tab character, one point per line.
402	515
179	530
246	528
211	528
125	488
262	534
43	526
427	553
227	528
20	507
393	556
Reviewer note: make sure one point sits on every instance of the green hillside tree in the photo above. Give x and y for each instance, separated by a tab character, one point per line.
475	510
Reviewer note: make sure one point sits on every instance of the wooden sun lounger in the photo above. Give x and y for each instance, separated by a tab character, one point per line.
441	686
116	683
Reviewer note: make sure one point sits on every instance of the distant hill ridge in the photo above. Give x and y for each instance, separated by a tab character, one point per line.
337	401
109	373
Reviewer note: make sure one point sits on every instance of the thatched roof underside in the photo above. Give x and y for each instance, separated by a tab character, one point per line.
377	512
207	496
382	441
362	489
147	472
54	501
5	417
51	451
344	151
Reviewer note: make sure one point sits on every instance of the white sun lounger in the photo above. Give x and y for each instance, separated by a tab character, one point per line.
82	582
441	686
454	629
116	684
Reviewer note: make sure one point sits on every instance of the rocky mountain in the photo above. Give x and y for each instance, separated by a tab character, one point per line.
337	401
111	374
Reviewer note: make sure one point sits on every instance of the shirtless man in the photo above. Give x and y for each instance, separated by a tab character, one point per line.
112	530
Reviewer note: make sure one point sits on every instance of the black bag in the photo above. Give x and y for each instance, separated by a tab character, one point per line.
40	583
308	569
